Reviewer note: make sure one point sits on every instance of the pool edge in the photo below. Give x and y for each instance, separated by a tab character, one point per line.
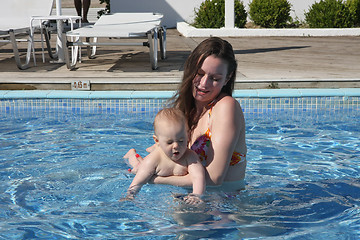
258	93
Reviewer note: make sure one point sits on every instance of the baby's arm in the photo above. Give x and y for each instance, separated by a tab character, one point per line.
145	171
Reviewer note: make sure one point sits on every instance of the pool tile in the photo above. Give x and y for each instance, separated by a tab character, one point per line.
68	94
110	94
278	93
252	101
152	94
351	92
245	93
3	93
321	92
15	94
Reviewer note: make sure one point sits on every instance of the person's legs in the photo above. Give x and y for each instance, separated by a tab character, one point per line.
134	160
86	6
77	4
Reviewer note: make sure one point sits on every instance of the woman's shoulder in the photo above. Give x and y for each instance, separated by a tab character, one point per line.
227	103
190	155
227	109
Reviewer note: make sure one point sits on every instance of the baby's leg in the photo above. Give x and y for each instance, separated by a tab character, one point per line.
134	160
151	148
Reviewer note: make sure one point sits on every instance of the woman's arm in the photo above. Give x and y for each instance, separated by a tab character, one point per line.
180	181
197	174
226	124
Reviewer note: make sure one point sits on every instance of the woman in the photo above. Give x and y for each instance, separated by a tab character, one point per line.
215	118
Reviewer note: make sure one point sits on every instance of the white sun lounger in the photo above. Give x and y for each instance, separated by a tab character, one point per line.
119	25
15	17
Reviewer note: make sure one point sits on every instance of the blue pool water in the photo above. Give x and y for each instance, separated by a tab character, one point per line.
62	173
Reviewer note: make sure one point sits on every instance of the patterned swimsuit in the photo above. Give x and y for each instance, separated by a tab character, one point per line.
202	144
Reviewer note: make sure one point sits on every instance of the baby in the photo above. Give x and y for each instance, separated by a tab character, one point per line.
170	156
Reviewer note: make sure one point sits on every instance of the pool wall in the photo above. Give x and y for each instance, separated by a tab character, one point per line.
252	101
261	93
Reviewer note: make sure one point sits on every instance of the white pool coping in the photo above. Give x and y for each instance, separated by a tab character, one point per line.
189	31
256	93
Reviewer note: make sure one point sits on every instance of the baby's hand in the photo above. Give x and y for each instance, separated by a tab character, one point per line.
193	199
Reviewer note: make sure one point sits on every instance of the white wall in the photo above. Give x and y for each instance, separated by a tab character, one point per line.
174	10
183	10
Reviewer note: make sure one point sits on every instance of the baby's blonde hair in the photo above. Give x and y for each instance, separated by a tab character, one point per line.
169	114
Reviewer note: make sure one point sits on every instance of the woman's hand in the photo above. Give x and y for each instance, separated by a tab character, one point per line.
193	199
129	197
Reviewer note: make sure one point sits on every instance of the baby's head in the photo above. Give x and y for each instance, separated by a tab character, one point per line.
171	132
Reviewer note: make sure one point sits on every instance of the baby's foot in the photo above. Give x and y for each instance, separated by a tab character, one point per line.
133	159
151	148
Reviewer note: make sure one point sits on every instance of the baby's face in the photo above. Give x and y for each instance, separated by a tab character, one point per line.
172	139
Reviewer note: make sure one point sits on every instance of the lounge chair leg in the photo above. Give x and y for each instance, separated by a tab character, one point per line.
162	40
16	52
70	64
94	48
88	48
153	45
48	45
91	50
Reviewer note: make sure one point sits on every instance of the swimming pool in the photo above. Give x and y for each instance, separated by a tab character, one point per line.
62	172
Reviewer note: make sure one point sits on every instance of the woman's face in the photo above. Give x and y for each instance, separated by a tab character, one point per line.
210	79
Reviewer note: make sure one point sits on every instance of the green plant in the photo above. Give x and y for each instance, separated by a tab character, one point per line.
270	13
273	85
211	14
354	8
329	14
107	8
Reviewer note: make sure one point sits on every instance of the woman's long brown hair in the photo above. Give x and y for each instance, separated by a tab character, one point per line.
183	99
